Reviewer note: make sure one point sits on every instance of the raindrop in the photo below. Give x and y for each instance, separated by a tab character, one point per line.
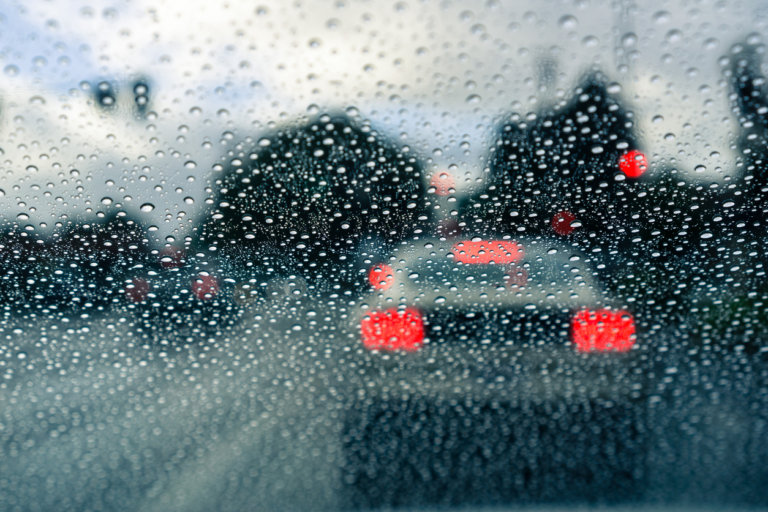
147	207
568	22
473	99
674	36
661	17
629	39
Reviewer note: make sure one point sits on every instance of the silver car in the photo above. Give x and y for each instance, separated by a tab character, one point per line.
518	330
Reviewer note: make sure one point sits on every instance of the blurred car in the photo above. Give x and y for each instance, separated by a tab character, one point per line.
503	355
182	296
203	293
89	259
75	270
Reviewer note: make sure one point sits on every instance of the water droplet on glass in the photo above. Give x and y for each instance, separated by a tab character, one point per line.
147	207
661	16
568	22
629	39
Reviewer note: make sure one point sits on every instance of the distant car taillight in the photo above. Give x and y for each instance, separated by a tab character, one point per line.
393	329
603	331
205	286
485	252
137	290
633	164
562	222
443	183
381	276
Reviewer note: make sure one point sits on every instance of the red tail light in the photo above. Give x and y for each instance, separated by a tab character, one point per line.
562	222
633	164
205	286
487	251
443	183
137	290
393	330
381	276
603	331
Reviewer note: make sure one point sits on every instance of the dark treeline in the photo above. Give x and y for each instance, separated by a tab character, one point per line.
313	193
659	238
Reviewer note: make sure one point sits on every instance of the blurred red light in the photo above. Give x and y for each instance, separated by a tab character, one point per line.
137	290
603	331
562	222
205	286
485	252
443	183
392	330
381	276
633	164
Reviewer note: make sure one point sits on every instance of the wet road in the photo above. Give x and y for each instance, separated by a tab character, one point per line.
96	416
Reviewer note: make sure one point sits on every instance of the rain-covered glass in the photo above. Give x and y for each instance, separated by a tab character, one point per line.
351	255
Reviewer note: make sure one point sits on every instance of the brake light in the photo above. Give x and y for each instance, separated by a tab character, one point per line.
562	222
381	276
633	164
603	331
443	183
393	329
485	252
137	290
205	286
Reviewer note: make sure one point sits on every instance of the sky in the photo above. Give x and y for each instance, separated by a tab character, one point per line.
436	76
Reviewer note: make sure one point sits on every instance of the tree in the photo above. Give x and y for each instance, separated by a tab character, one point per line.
318	187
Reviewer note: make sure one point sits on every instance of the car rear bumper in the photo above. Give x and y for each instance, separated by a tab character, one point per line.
420	450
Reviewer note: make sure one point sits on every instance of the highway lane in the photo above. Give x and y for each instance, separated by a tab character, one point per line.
95	417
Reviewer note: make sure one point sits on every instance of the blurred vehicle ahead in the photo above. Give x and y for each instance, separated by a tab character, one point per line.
519	328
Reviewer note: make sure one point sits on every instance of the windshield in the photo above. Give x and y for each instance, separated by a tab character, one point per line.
353	255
